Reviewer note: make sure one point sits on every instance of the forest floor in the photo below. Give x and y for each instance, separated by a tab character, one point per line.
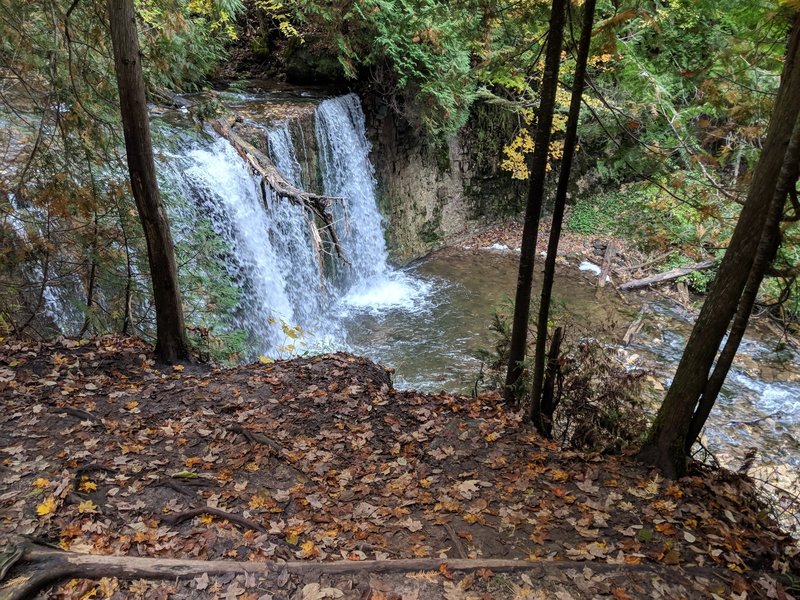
314	479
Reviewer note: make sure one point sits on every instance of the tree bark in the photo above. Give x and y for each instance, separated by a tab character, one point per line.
767	248
570	143
665	446
171	344
536	179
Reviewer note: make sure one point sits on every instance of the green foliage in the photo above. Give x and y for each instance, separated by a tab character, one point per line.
68	226
600	406
420	52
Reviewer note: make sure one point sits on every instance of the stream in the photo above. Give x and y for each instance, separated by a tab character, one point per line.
431	335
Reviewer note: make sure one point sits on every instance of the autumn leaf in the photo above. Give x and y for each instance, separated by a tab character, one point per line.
87	507
308	550
41	483
46	507
620	594
87	486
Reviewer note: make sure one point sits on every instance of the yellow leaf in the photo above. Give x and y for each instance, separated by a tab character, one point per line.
178	367
266	360
131	405
87	507
308	549
292	538
206	519
90	594
46	507
41	483
88	486
108	586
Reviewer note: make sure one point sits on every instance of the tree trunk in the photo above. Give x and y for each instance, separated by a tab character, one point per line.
171	344
767	248
536	179
570	142
665	446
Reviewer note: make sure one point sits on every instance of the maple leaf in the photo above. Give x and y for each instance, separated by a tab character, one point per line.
41	483
308	549
87	486
46	507
465	488
87	507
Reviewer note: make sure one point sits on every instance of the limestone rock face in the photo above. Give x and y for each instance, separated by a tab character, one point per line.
431	195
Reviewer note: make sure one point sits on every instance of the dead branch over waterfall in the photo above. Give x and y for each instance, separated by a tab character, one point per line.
316	205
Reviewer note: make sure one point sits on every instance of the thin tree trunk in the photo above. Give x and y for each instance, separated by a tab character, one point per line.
171	344
536	179
665	446
767	248
549	401
45	280
92	252
570	142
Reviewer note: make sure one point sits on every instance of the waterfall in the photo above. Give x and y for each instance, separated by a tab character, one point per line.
270	254
347	173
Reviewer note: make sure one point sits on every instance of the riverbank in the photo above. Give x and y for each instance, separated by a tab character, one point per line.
320	459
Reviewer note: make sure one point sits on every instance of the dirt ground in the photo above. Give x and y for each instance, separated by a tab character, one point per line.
329	481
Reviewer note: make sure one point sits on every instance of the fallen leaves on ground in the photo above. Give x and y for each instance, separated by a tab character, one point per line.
320	459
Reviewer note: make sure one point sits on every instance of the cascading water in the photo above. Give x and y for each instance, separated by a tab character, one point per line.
368	282
347	173
271	255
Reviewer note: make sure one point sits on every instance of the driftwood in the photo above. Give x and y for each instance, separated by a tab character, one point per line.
272	179
36	567
605	270
667	276
634	328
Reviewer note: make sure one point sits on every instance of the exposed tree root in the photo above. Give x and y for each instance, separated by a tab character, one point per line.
271	178
49	566
177	518
79	414
275	448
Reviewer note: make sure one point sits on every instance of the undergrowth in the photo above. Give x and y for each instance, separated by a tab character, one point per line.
600	406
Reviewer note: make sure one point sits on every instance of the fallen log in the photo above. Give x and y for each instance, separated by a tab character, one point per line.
272	179
605	270
666	276
45	566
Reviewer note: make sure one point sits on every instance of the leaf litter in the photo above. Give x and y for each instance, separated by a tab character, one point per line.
320	459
